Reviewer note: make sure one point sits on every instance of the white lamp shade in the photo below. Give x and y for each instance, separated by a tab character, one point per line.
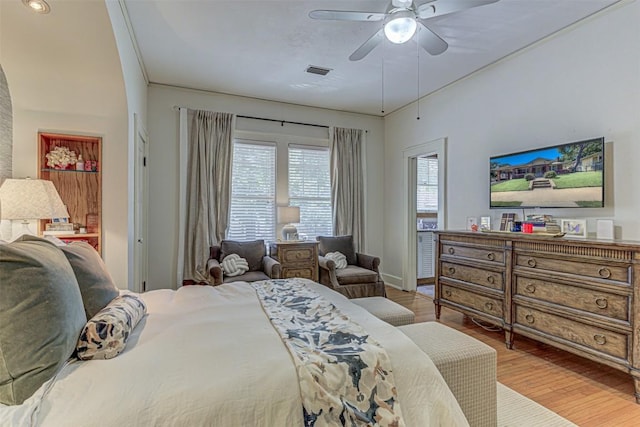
28	199
288	214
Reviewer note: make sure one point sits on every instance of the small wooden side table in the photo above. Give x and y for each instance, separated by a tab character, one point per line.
298	259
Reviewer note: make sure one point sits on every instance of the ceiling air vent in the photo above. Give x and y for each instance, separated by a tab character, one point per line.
318	70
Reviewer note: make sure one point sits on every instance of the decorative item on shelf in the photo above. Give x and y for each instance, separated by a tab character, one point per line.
485	223
506	222
574	228
61	157
472	223
289	215
92	223
30	199
604	229
80	163
87	165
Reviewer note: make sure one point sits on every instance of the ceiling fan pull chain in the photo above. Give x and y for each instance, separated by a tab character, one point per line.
382	89
418	56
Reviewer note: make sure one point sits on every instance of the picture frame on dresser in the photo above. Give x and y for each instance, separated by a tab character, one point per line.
576	228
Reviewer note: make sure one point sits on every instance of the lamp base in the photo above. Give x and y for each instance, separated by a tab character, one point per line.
289	232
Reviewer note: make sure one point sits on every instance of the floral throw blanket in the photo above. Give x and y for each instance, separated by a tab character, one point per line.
345	376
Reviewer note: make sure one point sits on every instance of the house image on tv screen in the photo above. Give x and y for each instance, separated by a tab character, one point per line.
567	175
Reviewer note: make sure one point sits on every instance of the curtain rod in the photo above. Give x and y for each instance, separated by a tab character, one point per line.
282	122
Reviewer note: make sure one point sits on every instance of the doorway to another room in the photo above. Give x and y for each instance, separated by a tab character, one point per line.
425	213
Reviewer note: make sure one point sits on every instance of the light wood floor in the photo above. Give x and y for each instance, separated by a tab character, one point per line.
585	392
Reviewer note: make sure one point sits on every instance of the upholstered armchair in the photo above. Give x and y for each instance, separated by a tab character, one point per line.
261	266
359	279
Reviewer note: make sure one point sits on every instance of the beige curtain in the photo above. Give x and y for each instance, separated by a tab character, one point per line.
208	189
347	185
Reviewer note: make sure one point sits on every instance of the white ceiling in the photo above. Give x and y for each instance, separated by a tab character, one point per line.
261	48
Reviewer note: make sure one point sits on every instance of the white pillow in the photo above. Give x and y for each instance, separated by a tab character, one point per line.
233	265
337	257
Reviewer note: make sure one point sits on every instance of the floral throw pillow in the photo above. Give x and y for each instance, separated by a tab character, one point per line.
105	335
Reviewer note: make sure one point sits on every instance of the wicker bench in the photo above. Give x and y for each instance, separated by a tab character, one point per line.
387	310
467	365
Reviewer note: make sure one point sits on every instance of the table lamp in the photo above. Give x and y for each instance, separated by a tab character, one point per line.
289	215
30	199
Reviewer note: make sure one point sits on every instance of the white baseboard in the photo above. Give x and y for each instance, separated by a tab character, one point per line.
391	280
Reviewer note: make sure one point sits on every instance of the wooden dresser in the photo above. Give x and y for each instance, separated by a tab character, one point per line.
298	259
577	295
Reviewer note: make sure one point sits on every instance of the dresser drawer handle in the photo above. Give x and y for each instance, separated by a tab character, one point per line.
451	251
529	318
488	306
447	293
600	339
491	256
602	302
604	272
491	279
452	270
531	262
530	288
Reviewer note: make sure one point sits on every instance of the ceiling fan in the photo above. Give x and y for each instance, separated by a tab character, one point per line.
401	20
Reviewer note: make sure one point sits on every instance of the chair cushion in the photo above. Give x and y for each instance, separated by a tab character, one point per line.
41	315
342	244
96	286
249	276
253	252
353	275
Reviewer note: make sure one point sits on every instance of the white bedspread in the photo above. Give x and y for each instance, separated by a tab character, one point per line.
209	356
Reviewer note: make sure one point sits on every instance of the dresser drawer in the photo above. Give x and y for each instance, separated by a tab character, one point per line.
481	303
298	255
479	254
478	276
601	340
592	301
302	272
614	272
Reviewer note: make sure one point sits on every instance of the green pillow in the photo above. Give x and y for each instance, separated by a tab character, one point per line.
41	316
96	285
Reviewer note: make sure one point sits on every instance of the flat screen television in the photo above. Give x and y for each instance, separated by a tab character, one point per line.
569	175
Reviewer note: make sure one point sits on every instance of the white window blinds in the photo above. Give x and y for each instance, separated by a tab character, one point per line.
253	192
427	192
310	189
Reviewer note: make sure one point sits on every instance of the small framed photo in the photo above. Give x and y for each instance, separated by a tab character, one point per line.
574	228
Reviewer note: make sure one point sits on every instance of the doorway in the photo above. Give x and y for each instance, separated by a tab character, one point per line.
435	218
141	208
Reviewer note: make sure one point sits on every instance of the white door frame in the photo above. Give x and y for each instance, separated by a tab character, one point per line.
140	208
409	163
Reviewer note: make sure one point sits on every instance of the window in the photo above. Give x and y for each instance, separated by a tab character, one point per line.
253	192
310	189
427	192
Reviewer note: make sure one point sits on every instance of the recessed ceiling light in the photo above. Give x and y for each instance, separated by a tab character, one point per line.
39	6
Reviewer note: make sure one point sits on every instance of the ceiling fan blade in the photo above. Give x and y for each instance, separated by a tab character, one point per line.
367	46
444	7
430	41
346	15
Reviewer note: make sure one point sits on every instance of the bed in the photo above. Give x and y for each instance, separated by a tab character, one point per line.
207	355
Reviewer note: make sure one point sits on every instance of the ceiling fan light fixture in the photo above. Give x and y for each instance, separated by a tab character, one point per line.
401	27
38	6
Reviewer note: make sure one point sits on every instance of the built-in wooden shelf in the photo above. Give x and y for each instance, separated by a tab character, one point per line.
80	190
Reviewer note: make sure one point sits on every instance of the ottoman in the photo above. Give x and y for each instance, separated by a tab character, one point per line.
387	310
466	364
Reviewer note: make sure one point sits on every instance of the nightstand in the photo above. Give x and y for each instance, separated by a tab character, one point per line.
298	259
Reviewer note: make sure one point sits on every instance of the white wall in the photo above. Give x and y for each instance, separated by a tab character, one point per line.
583	82
64	76
163	162
135	84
